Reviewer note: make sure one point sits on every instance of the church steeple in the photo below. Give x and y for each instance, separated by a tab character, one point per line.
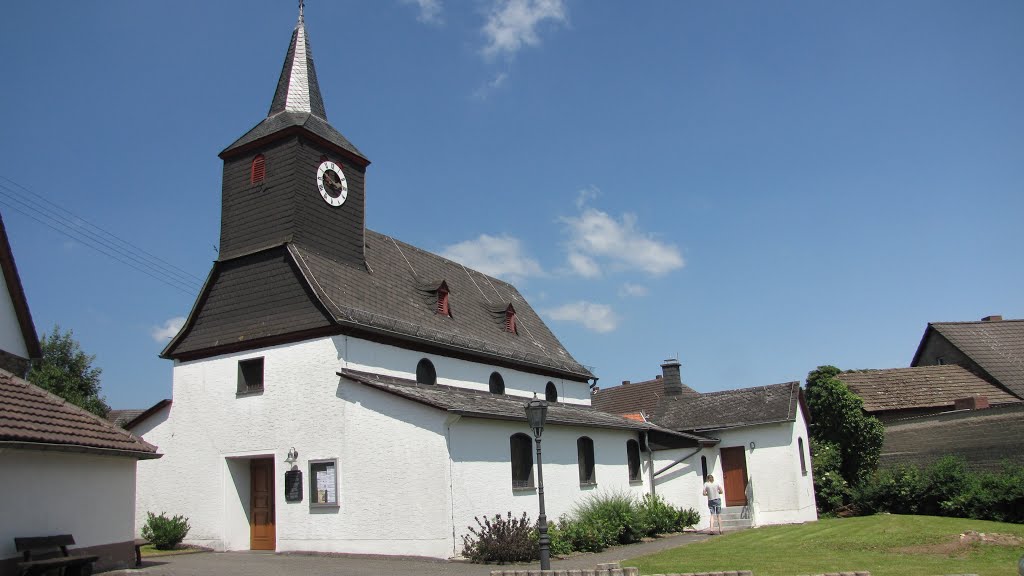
297	89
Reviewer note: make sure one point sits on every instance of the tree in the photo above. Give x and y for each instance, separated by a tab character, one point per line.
67	371
839	420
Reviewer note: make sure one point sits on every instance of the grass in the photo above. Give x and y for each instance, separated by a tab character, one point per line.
150	551
885	545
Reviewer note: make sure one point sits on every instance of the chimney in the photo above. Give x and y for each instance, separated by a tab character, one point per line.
673	383
993	318
971	403
624	382
657	376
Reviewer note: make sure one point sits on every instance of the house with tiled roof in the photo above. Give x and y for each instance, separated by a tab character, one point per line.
336	389
755	444
992	348
64	470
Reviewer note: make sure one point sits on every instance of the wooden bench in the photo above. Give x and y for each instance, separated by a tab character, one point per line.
48	546
139	543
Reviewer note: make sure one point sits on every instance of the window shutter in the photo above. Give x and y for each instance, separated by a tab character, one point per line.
442	302
259	169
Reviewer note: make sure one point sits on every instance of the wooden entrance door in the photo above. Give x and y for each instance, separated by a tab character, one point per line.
734	468
262	529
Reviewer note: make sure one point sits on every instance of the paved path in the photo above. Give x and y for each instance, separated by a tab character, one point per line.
270	564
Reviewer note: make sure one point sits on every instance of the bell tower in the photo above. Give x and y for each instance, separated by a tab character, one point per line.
293	177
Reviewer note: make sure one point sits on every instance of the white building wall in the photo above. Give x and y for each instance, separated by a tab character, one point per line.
482	473
51	492
779	492
11	338
390	453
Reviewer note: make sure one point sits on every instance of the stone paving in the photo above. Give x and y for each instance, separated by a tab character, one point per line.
271	564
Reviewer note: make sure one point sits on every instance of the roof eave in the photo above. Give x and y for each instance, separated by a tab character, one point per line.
79	448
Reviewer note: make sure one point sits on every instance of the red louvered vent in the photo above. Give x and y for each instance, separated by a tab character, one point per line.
510	320
442	302
259	169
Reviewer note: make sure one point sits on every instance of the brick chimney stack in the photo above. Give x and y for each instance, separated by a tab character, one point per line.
994	318
673	382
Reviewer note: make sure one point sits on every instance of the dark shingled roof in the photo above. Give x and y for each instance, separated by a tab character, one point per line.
635	397
31	417
731	408
984	438
17	294
997	346
121	417
482	404
283	120
920	387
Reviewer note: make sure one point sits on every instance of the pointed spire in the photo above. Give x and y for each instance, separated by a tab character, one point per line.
297	88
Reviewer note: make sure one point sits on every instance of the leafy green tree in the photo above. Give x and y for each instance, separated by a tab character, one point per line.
839	419
67	371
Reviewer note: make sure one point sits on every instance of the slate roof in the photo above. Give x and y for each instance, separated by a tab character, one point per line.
731	408
390	298
480	404
634	397
121	417
997	346
984	438
17	293
920	387
31	417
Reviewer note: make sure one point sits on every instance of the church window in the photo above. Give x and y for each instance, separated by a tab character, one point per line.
442	302
704	467
551	392
633	457
250	376
496	383
259	169
425	373
585	453
803	462
510	320
522	460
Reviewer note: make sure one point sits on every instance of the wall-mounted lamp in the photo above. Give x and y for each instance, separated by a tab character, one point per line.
293	456
751	446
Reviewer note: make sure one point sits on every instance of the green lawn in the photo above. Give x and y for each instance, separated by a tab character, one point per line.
886	545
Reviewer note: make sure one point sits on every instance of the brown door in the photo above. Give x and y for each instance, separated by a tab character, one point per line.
262	531
734	468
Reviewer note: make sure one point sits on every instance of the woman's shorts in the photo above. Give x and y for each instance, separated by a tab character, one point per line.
715	506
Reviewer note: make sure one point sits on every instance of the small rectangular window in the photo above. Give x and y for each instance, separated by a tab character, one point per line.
323	482
250	376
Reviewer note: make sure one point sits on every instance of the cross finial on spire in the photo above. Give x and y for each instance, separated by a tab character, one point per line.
302	19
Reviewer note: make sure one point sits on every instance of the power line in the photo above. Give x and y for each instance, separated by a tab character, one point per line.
62	220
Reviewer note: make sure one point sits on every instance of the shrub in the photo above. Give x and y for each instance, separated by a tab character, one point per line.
687	518
165	533
831	491
501	540
897	490
658	516
614	516
561	545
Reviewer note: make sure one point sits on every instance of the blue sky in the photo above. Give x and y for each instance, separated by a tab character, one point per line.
756	187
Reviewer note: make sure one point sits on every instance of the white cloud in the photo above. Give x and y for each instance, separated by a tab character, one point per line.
430	11
634	290
586	195
512	24
482	92
595	236
170	328
594	317
497	256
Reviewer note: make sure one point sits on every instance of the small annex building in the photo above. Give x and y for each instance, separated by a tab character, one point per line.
64	470
754	442
338	390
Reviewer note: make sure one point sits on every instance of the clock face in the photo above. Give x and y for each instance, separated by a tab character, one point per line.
331	183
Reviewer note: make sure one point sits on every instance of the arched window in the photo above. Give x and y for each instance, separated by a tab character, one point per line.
585	453
425	373
522	460
704	467
259	169
633	457
551	392
803	462
496	383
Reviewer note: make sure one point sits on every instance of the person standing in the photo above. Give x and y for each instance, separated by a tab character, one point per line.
714	493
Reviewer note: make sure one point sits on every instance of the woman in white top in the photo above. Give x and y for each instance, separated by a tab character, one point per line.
714	493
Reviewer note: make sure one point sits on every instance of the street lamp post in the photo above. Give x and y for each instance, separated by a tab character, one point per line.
536	413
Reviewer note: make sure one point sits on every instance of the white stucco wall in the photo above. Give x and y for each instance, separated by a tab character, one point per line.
400	463
482	474
11	338
49	492
781	493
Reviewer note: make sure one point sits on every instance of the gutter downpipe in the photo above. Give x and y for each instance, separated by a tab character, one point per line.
451	419
650	459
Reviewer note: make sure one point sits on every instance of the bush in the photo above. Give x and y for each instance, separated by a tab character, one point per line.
614	516
165	533
501	540
658	515
687	518
897	490
831	491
